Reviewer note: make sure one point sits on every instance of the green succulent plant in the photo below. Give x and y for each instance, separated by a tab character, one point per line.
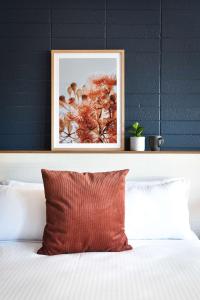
136	130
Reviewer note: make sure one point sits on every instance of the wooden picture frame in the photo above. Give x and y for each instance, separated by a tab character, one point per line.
87	100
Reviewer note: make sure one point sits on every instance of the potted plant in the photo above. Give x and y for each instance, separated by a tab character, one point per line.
137	141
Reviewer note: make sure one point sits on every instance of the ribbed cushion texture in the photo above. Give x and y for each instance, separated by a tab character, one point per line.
84	212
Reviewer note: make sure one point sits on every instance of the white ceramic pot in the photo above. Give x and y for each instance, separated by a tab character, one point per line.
137	143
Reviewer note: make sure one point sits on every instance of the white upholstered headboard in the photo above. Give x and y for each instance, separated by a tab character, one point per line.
26	167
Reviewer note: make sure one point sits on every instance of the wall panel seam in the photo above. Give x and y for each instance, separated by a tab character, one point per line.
160	67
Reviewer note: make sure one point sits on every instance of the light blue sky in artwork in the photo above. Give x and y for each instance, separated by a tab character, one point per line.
79	70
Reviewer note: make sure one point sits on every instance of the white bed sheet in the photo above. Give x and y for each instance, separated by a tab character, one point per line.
154	270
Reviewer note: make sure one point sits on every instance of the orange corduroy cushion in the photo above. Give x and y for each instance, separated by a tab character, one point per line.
85	212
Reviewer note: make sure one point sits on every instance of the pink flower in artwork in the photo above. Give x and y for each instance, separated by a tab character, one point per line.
90	115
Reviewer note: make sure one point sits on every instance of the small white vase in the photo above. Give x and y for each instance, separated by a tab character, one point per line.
137	143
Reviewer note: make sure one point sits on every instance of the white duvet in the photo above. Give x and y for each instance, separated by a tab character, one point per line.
154	270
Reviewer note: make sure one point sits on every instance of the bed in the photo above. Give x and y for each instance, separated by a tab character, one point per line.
154	270
162	269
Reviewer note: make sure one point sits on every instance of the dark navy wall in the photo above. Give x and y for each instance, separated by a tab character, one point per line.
162	43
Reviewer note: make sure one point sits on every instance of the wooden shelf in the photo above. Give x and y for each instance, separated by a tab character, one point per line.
96	152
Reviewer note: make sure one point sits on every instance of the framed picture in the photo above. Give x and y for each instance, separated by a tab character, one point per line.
87	100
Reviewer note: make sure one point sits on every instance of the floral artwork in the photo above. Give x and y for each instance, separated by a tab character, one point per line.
87	114
87	102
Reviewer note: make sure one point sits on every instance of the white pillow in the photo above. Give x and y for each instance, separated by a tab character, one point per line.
22	211
158	210
20	183
153	210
